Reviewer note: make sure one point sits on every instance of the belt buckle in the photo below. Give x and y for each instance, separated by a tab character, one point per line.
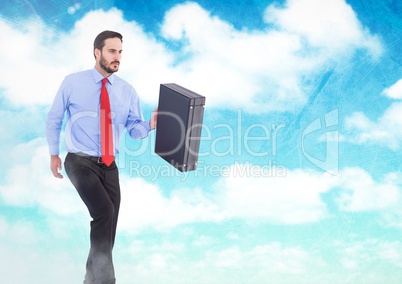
100	160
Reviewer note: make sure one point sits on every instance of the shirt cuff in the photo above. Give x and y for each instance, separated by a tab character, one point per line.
54	149
147	127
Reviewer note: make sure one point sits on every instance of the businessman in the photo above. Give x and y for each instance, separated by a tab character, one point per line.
98	106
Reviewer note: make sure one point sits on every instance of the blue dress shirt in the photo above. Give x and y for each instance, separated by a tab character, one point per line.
79	97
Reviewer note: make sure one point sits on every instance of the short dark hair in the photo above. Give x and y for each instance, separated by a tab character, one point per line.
99	41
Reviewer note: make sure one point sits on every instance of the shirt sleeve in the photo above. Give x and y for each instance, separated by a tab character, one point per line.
55	118
136	126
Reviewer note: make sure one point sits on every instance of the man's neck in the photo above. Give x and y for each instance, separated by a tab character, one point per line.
102	71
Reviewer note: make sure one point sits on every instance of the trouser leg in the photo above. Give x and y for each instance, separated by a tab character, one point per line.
98	187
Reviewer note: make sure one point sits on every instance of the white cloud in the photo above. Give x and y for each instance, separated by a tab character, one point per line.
29	182
274	258
213	264
31	72
30	256
261	70
144	205
298	197
293	198
386	131
362	261
394	91
330	26
246	192
3	226
360	192
258	70
359	255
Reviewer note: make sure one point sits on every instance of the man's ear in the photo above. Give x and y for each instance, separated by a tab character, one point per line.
97	52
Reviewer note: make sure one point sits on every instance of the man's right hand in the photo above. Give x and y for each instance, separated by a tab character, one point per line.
55	166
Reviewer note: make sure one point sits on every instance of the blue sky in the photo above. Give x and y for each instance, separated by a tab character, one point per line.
299	177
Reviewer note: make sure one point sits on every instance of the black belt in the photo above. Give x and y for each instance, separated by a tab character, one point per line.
92	158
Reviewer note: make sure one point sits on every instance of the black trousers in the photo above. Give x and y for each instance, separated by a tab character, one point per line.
98	187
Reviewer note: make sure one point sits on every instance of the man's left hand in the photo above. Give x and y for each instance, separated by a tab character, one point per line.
154	118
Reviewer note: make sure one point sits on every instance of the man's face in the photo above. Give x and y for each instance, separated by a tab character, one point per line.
110	55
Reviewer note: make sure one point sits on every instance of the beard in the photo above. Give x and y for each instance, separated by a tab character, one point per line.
107	67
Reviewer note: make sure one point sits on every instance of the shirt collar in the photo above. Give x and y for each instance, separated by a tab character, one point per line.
98	76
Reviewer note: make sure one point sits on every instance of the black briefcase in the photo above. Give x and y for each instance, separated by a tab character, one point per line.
178	132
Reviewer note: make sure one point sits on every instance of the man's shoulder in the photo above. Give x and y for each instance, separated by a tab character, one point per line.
125	88
80	74
120	80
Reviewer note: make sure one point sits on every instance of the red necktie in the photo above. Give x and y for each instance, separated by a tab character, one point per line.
106	126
